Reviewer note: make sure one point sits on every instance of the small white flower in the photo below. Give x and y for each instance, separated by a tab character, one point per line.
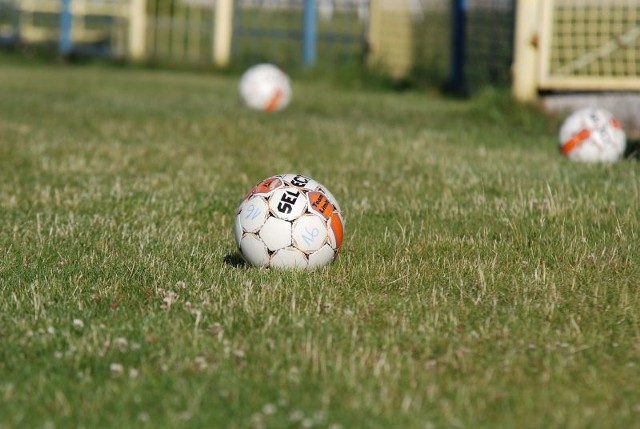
51	330
116	369
283	402
133	373
296	416
78	324
269	409
122	343
168	299
319	416
201	362
257	421
216	328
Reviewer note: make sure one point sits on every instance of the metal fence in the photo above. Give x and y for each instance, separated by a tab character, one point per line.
489	35
463	43
468	42
180	31
275	31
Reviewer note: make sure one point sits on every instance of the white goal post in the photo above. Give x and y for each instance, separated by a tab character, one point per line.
576	45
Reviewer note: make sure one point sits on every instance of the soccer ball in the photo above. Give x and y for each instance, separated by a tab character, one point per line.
592	135
289	221
265	87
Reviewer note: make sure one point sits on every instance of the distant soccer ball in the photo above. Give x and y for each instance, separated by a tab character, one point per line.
265	87
592	135
289	221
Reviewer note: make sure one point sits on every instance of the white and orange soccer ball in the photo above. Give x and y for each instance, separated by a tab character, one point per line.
265	87
592	135
289	221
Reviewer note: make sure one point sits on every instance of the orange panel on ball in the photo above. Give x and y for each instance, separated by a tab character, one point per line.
321	204
267	185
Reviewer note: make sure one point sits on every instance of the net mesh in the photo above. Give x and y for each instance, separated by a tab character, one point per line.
595	38
489	40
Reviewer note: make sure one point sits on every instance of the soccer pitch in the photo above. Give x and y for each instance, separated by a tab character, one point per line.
484	280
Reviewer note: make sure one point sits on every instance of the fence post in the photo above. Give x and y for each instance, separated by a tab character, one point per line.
525	61
137	29
309	33
65	41
458	45
374	35
223	32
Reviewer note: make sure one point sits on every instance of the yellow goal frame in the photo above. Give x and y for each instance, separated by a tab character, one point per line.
576	45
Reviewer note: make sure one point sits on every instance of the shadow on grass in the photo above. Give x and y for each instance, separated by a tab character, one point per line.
234	259
633	149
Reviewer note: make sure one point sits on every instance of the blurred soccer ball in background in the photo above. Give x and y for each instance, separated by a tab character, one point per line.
289	221
592	135
265	87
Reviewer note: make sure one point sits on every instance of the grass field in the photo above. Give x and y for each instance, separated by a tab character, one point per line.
484	281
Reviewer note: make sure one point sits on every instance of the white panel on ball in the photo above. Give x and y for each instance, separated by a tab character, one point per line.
253	213
276	233
254	250
289	258
321	257
237	230
309	232
300	181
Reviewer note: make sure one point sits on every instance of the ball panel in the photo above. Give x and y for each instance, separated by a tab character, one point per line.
309	233
253	213
275	101
300	181
330	196
276	233
336	230
289	257
254	251
287	203
575	140
266	186
237	231
321	257
319	203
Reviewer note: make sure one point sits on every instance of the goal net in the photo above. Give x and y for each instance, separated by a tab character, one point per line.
590	45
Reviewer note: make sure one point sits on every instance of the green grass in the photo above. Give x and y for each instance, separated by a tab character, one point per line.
484	281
